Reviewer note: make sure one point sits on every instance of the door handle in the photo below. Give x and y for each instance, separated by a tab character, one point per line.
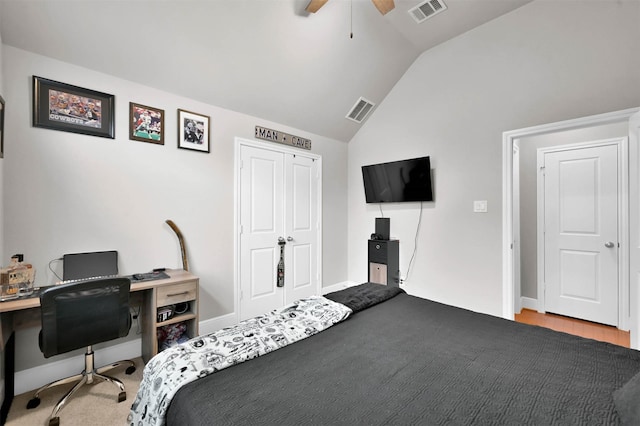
609	244
289	238
281	240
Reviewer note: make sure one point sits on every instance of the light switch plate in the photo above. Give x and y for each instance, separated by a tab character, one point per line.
480	206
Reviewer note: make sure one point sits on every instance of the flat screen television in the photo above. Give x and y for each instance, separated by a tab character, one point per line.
398	181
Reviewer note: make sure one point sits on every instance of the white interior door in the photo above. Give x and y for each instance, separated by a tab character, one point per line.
261	218
278	200
581	233
301	193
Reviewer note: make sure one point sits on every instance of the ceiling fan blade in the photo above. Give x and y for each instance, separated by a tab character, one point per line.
383	6
315	5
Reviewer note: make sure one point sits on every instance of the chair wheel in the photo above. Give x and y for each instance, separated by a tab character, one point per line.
130	370
54	421
122	396
33	403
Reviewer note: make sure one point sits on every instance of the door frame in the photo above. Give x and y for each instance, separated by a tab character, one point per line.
238	144
508	138
517	255
621	143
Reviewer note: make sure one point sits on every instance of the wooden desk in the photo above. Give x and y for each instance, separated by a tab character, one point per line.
181	286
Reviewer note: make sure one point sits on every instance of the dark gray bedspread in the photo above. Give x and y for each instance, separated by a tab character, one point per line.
413	361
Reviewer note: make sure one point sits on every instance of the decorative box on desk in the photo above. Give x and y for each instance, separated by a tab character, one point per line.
181	289
384	262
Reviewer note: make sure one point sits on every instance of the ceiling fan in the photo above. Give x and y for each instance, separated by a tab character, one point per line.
383	6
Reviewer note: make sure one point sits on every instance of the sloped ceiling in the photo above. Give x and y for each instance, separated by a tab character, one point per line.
266	58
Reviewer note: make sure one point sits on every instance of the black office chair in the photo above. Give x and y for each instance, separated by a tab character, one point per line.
78	315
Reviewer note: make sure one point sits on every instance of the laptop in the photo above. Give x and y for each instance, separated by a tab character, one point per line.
76	266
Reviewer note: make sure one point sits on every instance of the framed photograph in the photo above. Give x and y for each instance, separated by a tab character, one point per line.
1	127
193	131
61	106
146	124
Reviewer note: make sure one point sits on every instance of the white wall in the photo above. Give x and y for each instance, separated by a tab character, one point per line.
66	192
544	62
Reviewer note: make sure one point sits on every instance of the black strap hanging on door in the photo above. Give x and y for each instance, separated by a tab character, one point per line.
280	272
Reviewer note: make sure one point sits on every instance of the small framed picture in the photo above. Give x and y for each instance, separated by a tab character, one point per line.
61	106
1	127
146	124
193	131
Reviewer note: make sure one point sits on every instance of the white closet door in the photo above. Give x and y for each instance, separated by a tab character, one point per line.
278	199
261	216
301	224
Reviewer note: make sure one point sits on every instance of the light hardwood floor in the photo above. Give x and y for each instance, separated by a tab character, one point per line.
574	326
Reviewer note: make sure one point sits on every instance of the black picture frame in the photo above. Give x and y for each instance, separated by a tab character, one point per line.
1	127
61	106
193	131
146	124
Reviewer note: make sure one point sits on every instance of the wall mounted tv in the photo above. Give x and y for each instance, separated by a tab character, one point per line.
398	181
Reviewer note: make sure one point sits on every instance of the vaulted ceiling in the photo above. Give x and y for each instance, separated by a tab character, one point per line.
266	58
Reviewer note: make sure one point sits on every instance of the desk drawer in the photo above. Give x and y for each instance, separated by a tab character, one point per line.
176	293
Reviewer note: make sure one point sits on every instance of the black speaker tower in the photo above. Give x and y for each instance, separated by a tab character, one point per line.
382	227
384	262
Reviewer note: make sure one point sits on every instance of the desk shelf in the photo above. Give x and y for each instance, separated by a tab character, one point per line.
177	319
181	288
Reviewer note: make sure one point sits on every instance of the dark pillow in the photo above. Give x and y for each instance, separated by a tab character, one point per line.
627	401
362	296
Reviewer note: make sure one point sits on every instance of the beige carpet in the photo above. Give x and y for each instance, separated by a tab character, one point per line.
95	404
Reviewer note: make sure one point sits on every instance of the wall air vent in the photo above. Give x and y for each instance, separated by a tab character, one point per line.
426	10
360	110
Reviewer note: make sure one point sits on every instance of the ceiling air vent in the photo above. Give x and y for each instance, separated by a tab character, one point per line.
360	110
426	10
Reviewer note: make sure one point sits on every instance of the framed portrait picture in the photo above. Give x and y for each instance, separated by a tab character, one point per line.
146	124
61	106
193	131
1	127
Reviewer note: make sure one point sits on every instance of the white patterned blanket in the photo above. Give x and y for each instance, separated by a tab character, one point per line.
175	367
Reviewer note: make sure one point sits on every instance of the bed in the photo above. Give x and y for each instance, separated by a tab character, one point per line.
399	359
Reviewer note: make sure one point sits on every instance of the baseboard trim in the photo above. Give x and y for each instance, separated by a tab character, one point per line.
529	303
214	324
